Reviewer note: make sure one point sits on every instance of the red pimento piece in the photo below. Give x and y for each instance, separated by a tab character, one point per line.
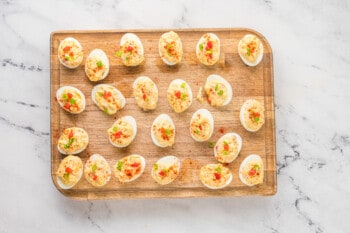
71	54
210	45
129	48
161	173
256	114
70	95
107	94
226	147
71	134
94	177
200	127
217	175
69	170
67	106
118	134
66	49
135	164
178	94
144	96
252	172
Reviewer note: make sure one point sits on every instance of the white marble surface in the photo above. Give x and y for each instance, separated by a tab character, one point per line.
310	41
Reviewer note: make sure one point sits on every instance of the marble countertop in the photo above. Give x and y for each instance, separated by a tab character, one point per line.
310	41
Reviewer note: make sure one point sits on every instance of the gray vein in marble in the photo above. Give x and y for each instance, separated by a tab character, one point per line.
287	159
24	104
91	220
22	66
303	197
23	128
340	142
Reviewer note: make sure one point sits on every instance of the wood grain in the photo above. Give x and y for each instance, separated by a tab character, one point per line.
247	82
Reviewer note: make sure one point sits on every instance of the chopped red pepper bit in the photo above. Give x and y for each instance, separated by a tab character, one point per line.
70	95
95	177
67	106
118	134
200	127
144	96
226	147
135	164
69	170
217	176
71	134
129	48
252	172
210	45
107	94
178	94
161	173
66	49
71	54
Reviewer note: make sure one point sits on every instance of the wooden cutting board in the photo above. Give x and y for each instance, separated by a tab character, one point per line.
247	82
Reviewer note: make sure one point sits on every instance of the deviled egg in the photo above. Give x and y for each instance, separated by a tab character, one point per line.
71	99
69	172
251	50
208	49
170	48
251	171
122	132
131	50
108	98
70	53
201	125
163	131
227	148
145	92
218	90
129	168
97	170
215	176
252	115
97	65
72	141
179	95
166	169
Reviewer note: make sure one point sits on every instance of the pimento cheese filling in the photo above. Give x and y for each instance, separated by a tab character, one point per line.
97	171
70	170
70	53
170	47
214	175
200	127
250	47
179	96
127	168
107	100
73	139
164	132
146	94
121	132
130	53
217	93
208	51
95	68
